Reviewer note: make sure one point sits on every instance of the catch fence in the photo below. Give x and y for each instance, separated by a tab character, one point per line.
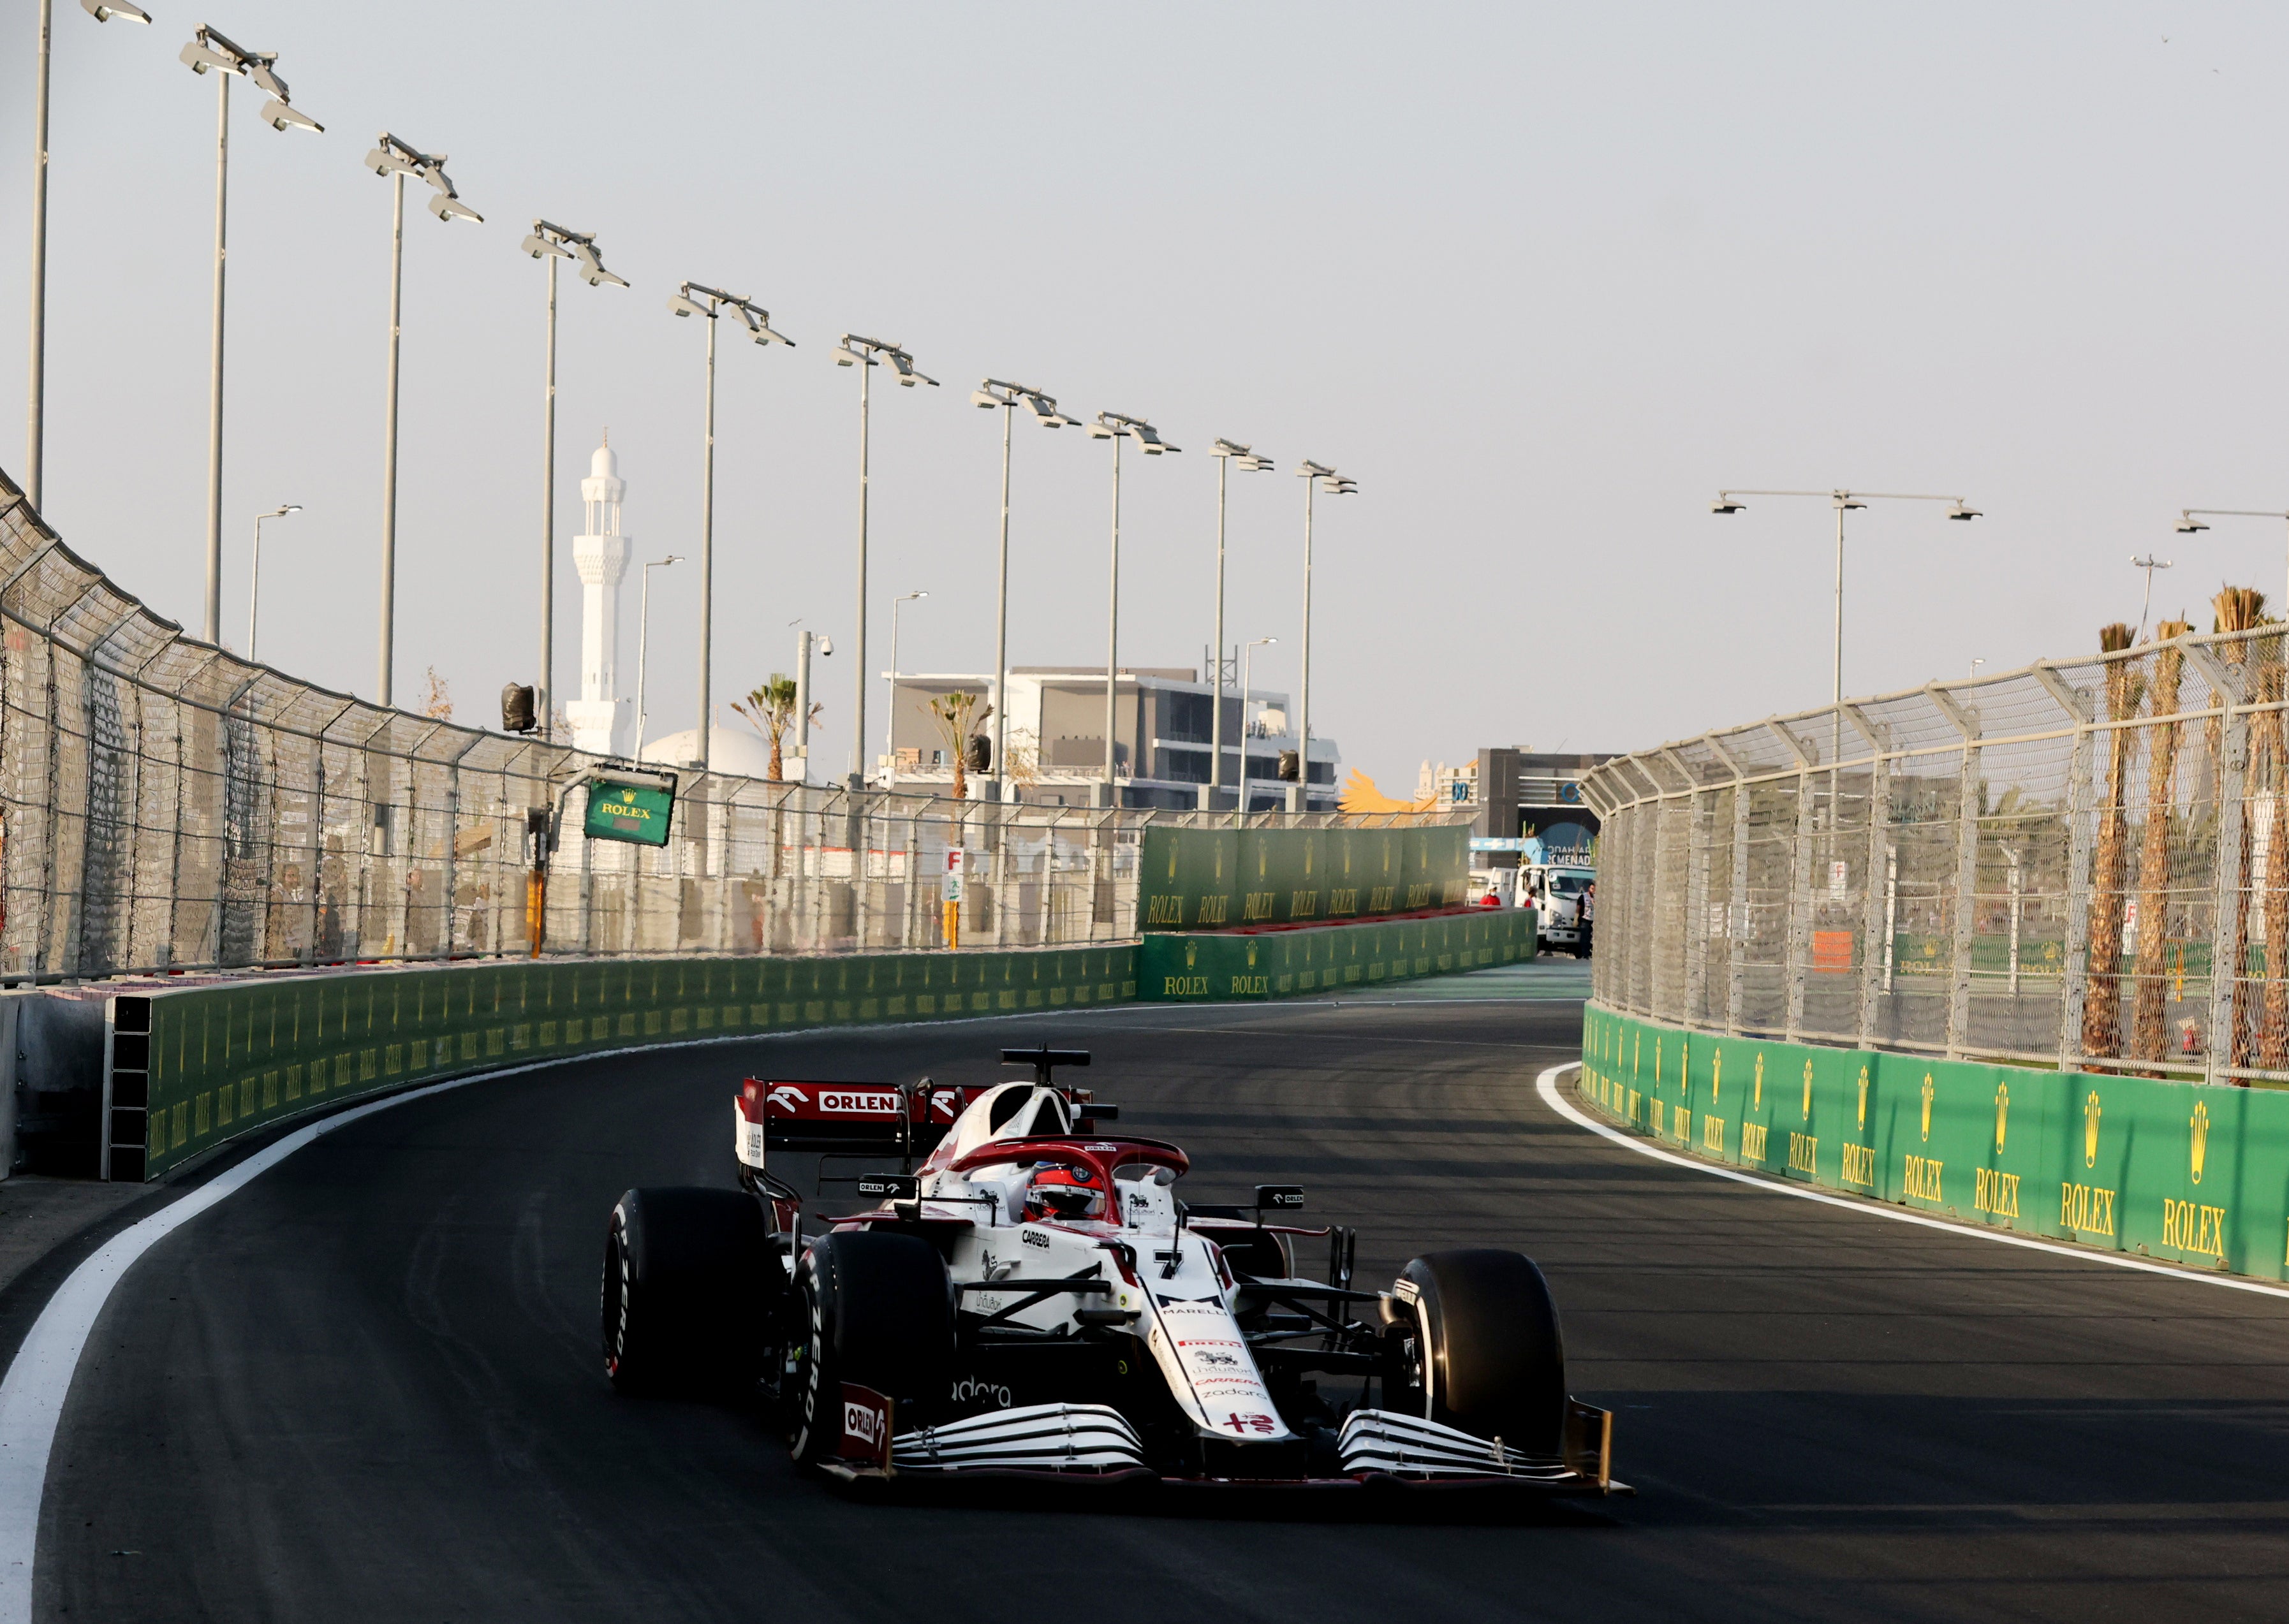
2077	865
165	805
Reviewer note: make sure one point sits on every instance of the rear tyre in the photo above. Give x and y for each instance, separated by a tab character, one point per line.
1480	1349
687	1278
878	1309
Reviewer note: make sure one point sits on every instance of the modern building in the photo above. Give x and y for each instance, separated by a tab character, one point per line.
1162	736
1519	792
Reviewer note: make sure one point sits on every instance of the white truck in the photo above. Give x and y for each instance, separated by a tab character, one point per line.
1559	893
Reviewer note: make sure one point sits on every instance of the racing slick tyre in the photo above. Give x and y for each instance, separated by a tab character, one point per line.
878	1309
686	1273
1480	1348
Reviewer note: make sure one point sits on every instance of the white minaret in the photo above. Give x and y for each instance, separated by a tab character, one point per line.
602	553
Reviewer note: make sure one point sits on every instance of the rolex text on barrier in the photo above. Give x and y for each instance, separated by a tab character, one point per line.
1217	967
2180	1171
1220	879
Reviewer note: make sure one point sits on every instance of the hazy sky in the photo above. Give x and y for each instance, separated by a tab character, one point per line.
1541	278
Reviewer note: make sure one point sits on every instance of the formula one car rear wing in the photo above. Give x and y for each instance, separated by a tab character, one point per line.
881	1119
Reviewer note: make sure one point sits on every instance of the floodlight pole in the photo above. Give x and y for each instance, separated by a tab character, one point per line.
2186	525
1112	633
858	669
35	405
211	626
1225	452
1000	620
643	640
1302	793
1299	799
548	685
707	556
254	576
1843	501
382	678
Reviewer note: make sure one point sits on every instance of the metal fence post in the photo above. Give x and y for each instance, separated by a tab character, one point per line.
2228	944
1798	948
1737	895
1875	939
1967	871
2082	783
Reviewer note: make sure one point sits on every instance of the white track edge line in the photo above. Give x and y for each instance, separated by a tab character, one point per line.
1546	1086
39	1378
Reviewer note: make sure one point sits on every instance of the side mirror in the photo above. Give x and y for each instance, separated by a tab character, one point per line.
890	1186
1280	1198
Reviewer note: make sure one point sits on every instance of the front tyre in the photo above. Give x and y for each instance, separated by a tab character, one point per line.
1478	1348
877	1309
685	1290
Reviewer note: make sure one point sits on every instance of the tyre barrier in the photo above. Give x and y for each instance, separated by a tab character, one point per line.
2184	1172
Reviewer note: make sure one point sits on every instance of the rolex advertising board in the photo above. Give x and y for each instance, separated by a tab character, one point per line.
2179	1171
627	809
1218	878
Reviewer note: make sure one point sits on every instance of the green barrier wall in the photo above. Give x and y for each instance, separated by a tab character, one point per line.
194	1068
1206	878
2183	1172
1218	967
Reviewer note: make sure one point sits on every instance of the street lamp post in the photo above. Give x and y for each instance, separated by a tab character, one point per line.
554	242
394	158
210	49
1226	452
1247	658
1117	427
36	389
890	711
2187	524
866	354
254	577
1315	478
991	393
693	299
1844	501
2149	564
643	638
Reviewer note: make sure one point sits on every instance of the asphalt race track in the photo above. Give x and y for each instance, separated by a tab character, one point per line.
366	1386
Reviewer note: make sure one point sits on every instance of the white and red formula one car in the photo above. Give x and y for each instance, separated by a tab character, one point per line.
1035	1300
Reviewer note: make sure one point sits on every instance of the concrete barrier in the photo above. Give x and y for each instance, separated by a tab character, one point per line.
188	1070
1218	967
2186	1171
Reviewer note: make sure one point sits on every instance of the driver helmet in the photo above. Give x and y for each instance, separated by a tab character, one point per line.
1059	1190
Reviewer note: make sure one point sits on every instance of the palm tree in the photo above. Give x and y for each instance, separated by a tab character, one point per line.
2102	1010
2147	1031
959	715
770	710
